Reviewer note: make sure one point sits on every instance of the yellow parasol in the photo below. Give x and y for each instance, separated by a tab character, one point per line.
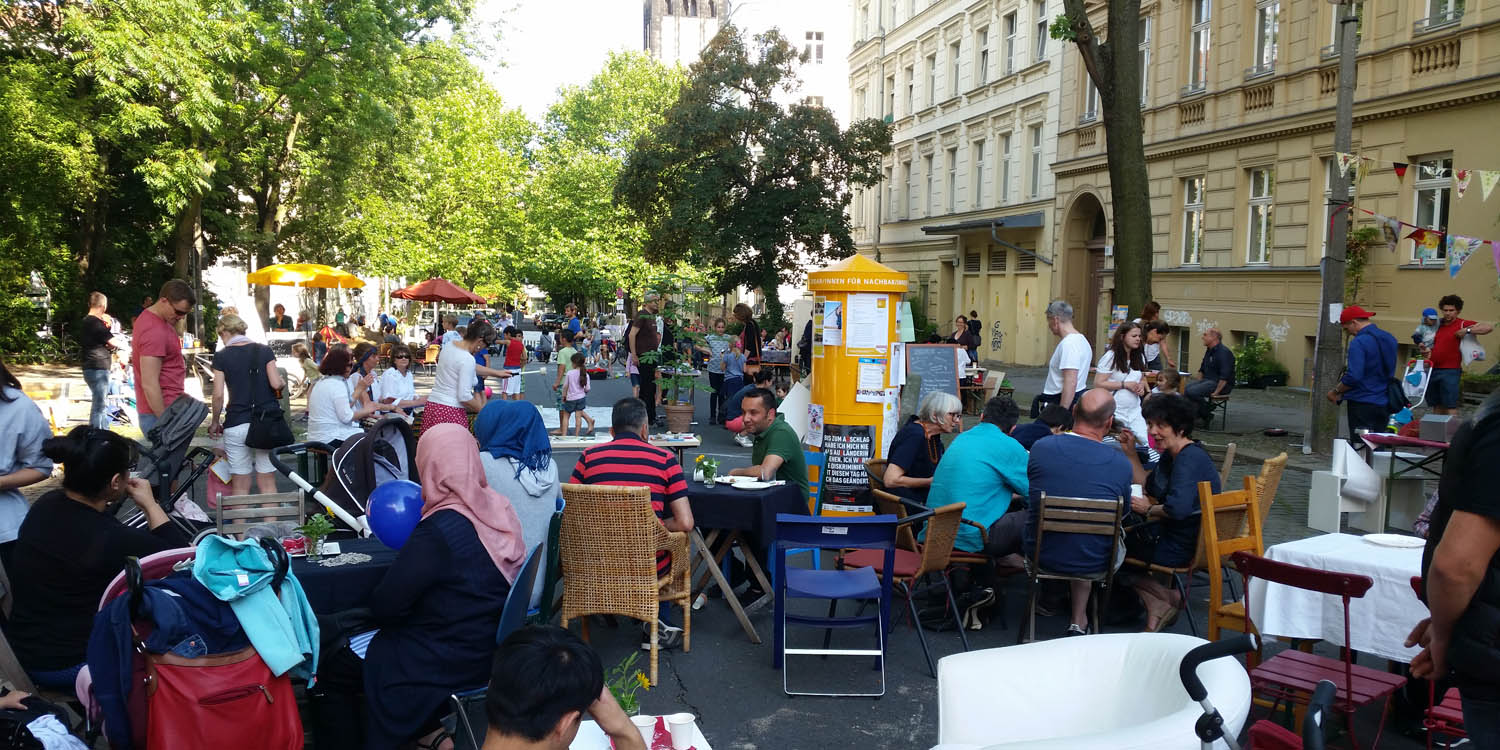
310	275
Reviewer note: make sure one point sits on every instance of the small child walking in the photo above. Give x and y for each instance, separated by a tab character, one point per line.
575	396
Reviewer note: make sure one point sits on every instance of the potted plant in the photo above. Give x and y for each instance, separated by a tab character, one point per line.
1256	366
674	373
315	530
708	467
623	680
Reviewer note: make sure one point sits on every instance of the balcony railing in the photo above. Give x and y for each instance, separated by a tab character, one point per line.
1088	117
1438	20
1262	69
1193	89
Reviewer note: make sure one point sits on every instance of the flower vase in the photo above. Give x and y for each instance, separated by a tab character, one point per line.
315	548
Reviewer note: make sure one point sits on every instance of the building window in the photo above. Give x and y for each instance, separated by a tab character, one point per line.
911	8
927	175
1192	220
813	101
911	89
713	10
1202	19
950	196
1266	14
890	196
669	8
908	182
1039	46
1440	13
971	261
1331	173
859	103
1262	206
998	256
1332	50
1005	168
692	6
1090	110
982	57
890	97
978	200
1036	161
812	47
953	51
1144	57
891	18
1434	180
1010	42
864	21
932	79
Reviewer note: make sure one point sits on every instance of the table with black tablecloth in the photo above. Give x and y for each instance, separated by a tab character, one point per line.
339	587
735	514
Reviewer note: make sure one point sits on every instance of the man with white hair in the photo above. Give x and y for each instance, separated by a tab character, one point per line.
1067	371
1215	375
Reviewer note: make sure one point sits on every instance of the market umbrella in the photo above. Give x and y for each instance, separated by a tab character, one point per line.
313	275
435	291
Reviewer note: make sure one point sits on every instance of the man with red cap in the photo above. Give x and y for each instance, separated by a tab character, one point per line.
1372	362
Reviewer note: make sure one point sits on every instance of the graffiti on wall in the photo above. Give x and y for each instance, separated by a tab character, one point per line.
1179	318
997	336
1277	332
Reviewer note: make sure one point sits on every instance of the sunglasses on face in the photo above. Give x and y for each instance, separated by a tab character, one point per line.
403	356
181	313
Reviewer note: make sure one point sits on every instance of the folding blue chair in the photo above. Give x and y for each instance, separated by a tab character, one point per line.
816	462
798	532
512	617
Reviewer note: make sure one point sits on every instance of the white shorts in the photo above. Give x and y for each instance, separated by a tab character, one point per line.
242	458
513	383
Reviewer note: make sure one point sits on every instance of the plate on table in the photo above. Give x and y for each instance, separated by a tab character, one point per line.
1396	540
753	484
738	479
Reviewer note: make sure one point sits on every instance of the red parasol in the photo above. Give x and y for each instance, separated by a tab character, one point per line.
439	290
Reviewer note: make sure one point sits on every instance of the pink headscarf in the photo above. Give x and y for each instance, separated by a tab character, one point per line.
453	479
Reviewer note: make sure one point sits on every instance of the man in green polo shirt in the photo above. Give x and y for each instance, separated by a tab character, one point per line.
777	451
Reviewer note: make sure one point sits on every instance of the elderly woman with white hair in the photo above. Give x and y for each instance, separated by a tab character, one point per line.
246	372
918	446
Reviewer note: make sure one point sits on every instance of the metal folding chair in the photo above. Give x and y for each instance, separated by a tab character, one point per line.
512	617
802	532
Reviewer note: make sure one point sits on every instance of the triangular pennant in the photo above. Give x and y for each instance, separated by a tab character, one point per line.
1391	228
1400	169
1495	252
1461	177
1459	250
1427	242
1344	161
1487	180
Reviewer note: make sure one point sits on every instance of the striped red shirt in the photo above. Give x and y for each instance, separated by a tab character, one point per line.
629	461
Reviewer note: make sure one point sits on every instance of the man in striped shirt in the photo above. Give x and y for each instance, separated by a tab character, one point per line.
630	461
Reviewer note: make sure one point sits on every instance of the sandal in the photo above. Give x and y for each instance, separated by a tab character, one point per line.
1165	618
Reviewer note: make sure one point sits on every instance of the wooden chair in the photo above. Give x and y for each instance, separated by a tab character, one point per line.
237	513
430	356
1224	516
1073	515
608	543
1292	675
1227	465
1444	717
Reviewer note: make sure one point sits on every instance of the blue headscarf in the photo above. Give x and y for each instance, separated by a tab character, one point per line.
513	429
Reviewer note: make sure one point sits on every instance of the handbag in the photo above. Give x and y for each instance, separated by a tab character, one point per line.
268	426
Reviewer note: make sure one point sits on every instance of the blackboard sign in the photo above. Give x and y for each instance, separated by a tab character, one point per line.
937	364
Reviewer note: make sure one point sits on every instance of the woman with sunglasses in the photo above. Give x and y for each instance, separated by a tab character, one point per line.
70	547
332	414
918	446
398	382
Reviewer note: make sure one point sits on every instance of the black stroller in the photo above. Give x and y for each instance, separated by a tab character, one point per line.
172	465
385	452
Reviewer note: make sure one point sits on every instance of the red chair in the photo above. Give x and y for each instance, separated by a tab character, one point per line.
1292	675
1448	716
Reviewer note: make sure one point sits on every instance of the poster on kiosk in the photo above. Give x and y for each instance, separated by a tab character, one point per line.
857	374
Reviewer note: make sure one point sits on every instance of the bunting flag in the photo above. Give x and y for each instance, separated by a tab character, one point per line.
1345	161
1427	243
1487	180
1459	250
1400	169
1495	252
1461	178
1391	228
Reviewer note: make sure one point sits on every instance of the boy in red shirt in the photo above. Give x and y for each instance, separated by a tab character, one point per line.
515	357
1447	362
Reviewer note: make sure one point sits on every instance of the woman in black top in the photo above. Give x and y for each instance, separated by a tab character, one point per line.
247	372
917	447
750	337
70	548
93	337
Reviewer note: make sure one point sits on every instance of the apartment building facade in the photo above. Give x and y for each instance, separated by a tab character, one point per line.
675	31
1239	111
967	202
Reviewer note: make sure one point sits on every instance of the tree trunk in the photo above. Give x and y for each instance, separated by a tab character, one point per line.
770	283
187	237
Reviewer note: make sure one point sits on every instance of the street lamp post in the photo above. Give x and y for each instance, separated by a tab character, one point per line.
1329	357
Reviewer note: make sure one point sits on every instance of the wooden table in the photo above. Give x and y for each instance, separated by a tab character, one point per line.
793	371
731	514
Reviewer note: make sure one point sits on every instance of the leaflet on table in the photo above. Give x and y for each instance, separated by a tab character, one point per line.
833	323
869	325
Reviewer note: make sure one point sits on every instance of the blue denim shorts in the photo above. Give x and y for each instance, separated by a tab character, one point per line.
1442	388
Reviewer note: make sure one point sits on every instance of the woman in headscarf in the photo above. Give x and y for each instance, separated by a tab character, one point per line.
439	604
517	460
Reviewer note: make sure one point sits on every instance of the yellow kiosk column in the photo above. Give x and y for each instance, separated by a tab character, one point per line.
854	404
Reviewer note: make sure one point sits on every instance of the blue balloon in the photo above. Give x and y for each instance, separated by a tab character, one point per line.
395	508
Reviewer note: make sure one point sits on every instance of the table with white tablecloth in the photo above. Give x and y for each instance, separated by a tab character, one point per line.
1378	622
591	737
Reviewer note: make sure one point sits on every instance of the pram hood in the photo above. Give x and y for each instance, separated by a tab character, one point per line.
381	454
170	438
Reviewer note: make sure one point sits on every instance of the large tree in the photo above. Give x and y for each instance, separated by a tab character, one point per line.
733	181
1114	66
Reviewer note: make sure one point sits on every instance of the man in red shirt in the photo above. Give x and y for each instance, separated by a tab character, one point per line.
156	352
1447	361
630	461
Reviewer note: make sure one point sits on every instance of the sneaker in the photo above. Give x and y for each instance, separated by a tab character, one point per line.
667	636
744	441
1075	630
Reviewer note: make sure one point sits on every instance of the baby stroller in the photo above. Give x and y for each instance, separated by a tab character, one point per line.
149	687
1264	734
169	459
385	452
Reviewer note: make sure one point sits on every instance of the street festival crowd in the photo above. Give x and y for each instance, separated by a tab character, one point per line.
1117	425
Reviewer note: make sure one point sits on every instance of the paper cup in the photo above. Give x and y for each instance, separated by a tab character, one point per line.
680	726
646	725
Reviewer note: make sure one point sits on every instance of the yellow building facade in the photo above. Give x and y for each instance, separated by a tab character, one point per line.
1239	110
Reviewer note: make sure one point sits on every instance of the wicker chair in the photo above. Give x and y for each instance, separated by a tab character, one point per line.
1267	483
875	470
608	543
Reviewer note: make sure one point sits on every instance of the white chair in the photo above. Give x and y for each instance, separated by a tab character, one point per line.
1115	691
